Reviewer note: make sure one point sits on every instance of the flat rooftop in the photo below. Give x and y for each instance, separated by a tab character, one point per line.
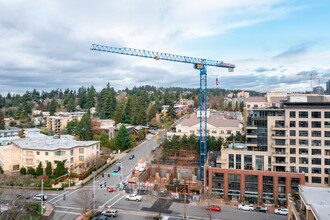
51	143
318	198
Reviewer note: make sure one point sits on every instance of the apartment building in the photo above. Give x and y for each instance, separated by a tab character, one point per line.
60	120
217	125
8	135
28	152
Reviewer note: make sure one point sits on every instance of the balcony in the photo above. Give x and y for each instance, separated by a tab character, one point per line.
279	146
279	136
279	127
28	156
28	164
251	127
280	163
279	153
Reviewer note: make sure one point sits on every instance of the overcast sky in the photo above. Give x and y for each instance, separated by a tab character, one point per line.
274	44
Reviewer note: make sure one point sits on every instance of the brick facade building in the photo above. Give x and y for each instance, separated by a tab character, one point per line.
250	185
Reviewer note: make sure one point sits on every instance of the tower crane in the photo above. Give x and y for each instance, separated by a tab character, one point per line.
199	64
319	79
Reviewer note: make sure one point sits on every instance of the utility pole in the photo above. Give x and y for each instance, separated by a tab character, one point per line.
69	173
42	196
94	193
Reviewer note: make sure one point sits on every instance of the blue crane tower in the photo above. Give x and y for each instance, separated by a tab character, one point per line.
199	64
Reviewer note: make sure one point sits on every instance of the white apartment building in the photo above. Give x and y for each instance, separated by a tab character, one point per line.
8	135
28	152
217	125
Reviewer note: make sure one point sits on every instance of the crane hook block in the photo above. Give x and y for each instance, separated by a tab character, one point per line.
157	58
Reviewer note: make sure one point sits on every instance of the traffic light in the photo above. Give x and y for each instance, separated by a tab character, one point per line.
100	186
109	175
102	175
105	184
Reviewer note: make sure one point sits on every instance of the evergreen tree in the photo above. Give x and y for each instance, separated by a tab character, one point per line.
230	106
241	106
71	106
128	111
112	144
22	171
72	127
125	119
141	117
2	121
152	112
85	128
118	115
184	142
122	139
39	170
31	171
90	102
52	107
59	170
236	106
104	140
49	169
171	112
109	105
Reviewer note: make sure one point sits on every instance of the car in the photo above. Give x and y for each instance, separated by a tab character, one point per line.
246	207
133	197
131	157
39	196
110	189
100	217
213	208
281	211
110	213
153	149
117	169
261	209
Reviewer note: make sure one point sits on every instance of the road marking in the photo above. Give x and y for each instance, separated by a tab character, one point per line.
67	207
72	213
59	195
111	199
65	196
117	201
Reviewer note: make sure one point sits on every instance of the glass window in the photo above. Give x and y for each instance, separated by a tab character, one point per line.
292	133
59	153
71	152
292	160
293	170
316	114
316	179
303	142
303	124
238	162
316	151
303	151
327	124
326	114
327	152
316	133
326	180
326	143
316	124
38	161
247	162
292	124
303	114
260	163
327	134
231	160
71	160
326	161
46	161
303	133
81	150
81	158
292	150
316	170
306	179
292	114
303	169
316	161
38	153
303	160
326	171
316	142
292	141
228	131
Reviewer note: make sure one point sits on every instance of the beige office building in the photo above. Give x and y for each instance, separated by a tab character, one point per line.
60	120
28	152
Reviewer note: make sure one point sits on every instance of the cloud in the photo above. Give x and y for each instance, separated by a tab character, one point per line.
293	51
263	69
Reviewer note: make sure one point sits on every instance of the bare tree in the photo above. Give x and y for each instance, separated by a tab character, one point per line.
207	200
160	203
84	201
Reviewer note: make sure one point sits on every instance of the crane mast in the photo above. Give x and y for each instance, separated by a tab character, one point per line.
200	64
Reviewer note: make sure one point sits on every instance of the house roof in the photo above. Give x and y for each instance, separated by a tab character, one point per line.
216	120
257	99
278	99
51	143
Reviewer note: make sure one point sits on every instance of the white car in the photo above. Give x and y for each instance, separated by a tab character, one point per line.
245	207
281	211
133	197
39	196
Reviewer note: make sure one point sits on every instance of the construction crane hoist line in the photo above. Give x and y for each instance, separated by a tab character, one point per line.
199	64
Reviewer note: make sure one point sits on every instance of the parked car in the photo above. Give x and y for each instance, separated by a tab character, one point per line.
100	217
153	149
39	196
110	213
262	209
213	208
246	207
110	189
131	157
133	197
117	169
281	211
